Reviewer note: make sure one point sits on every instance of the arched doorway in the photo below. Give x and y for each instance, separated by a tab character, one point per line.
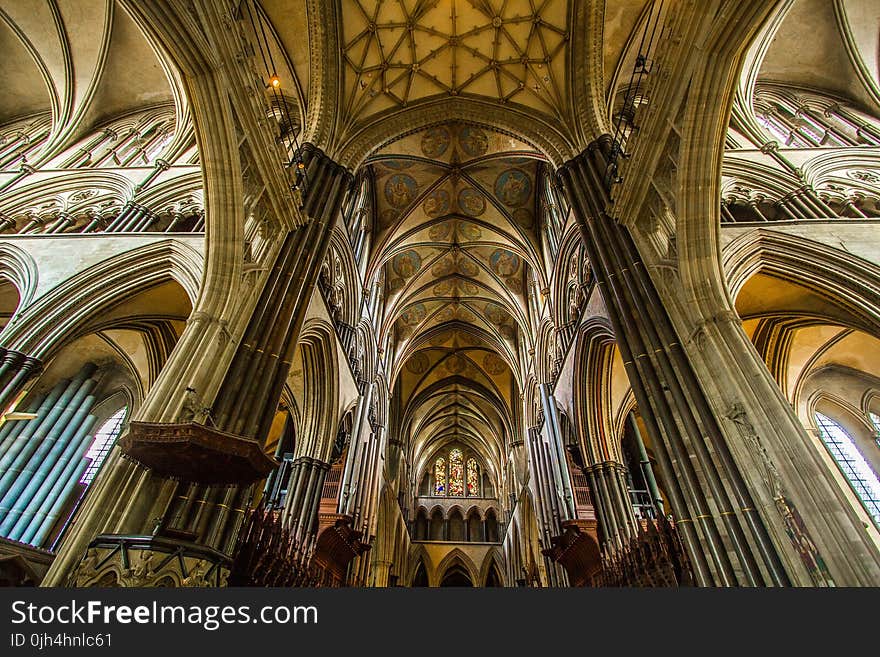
421	577
456	576
493	579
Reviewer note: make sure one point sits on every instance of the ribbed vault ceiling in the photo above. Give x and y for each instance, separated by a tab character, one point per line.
396	53
456	207
828	45
83	61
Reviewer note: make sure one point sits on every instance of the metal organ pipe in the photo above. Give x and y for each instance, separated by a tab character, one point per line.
42	459
71	474
11	429
40	464
22	447
29	524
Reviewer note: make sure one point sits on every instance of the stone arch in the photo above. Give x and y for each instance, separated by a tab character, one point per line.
419	557
494	559
185	53
436	525
706	319
18	267
542	132
421	524
456	558
343	277
546	346
853	283
492	524
108	184
570	246
70	306
473	523
320	390
594	415
456	528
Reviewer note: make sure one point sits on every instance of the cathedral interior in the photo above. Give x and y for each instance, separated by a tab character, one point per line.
428	293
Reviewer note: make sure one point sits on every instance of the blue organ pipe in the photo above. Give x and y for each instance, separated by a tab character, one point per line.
11	429
53	486
42	446
15	478
57	497
29	442
13	449
38	468
29	524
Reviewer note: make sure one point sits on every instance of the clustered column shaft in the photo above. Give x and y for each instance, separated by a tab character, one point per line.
667	391
16	369
248	398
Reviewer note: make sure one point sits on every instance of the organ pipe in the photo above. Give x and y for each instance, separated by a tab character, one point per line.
53	486
42	460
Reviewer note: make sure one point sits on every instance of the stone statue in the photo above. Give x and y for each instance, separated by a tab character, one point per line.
193	410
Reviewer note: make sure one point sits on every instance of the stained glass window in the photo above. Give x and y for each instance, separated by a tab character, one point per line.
853	465
100	447
456	473
473	478
440	476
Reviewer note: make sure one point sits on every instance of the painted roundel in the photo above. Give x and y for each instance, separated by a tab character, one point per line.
435	142
513	187
469	232
455	364
437	203
418	363
400	190
406	264
473	141
440	231
496	314
443	267
494	365
504	262
523	218
466	267
471	202
413	315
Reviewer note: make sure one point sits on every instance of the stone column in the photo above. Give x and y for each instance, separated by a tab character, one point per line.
726	537
16	369
381	571
224	437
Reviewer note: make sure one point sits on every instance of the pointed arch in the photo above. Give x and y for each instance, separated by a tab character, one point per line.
68	308
18	267
493	561
456	558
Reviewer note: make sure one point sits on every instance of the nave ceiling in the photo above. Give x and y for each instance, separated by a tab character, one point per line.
455	211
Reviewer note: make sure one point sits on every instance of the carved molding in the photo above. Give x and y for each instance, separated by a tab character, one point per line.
146	561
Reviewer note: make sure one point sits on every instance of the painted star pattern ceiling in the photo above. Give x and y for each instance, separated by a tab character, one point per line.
396	52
